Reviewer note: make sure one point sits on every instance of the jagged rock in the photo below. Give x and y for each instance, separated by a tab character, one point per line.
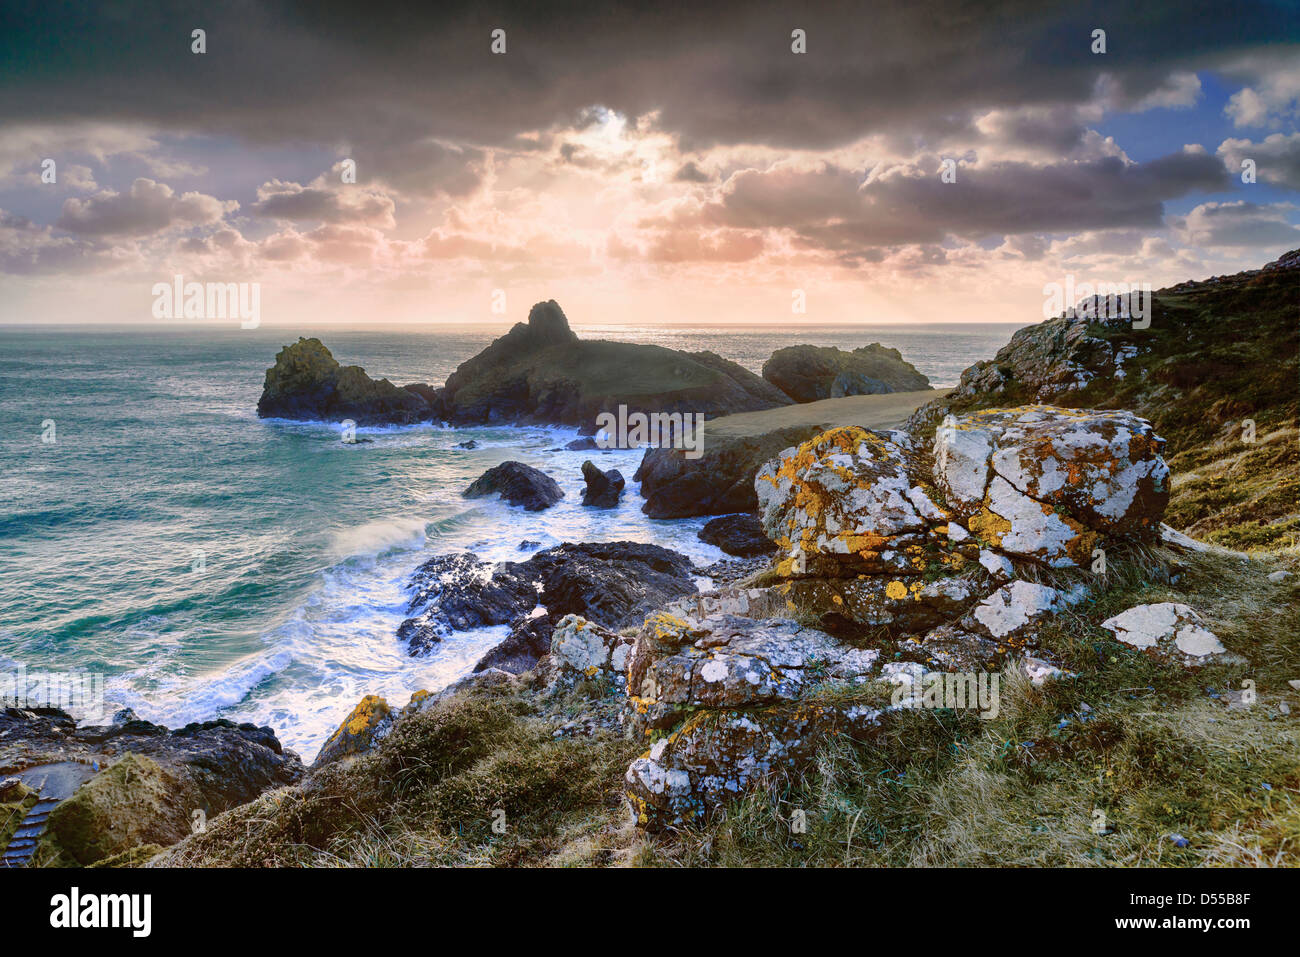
1047	484
843	503
740	535
528	641
360	731
307	382
603	488
1168	630
541	372
517	484
808	373
471	444
584	444
719	482
460	592
614	584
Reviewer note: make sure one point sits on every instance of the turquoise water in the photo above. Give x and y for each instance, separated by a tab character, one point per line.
213	564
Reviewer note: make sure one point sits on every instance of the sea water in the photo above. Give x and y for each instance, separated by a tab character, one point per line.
212	564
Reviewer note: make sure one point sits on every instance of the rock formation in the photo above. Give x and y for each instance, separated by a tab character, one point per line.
517	484
886	547
603	488
809	373
131	787
613	584
541	372
307	382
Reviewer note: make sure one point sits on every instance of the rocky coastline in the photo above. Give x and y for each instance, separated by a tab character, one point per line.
1015	532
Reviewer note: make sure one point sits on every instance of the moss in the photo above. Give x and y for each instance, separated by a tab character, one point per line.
131	803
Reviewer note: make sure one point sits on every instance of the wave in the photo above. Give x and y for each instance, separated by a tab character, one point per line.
376	538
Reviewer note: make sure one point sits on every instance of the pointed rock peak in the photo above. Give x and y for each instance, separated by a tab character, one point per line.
548	324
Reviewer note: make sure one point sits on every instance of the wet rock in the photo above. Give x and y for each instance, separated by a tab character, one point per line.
527	642
584	444
808	373
460	592
517	484
614	584
307	382
471	444
740	535
1168	630
603	488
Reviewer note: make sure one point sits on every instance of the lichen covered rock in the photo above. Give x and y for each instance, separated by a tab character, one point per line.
715	756
360	731
843	502
1167	630
1048	484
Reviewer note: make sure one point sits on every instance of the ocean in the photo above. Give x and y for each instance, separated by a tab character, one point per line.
212	564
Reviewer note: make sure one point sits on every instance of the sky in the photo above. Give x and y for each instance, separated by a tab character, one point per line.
752	163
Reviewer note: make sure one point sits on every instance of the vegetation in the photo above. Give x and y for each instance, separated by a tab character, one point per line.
1123	764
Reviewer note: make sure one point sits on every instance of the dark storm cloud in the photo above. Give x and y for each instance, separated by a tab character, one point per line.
845	212
387	77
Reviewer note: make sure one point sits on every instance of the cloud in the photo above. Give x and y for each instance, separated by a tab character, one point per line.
845	211
29	249
316	203
1274	99
1238	224
1277	158
147	208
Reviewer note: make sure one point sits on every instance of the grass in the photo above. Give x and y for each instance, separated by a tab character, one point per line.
1098	770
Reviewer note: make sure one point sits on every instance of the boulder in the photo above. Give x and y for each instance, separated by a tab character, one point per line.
517	484
844	503
809	373
360	731
1045	483
307	382
740	535
603	488
1167	630
719	482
